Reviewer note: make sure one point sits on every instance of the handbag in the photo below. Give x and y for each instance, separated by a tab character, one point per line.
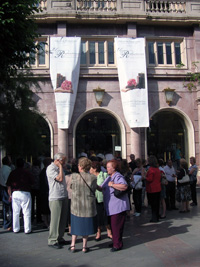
137	184
185	178
87	185
119	193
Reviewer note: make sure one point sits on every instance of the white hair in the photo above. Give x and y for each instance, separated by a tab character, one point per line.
59	156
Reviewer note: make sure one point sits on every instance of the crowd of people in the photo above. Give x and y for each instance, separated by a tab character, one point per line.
92	193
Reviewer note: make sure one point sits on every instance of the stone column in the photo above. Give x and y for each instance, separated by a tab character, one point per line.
63	141
136	142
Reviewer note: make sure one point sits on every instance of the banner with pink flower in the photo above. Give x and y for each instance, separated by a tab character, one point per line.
132	73
64	72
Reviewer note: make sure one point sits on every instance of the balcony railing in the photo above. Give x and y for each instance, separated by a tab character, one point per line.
43	4
97	5
165	6
122	7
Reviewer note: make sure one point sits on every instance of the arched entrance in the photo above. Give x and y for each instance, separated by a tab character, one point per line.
168	131
98	131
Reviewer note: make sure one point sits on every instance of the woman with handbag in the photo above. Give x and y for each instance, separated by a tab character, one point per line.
193	170
164	182
153	187
116	207
183	193
140	173
83	204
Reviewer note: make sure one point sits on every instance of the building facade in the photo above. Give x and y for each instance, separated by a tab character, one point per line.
172	44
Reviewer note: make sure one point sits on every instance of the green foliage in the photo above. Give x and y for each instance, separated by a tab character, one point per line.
18	110
192	79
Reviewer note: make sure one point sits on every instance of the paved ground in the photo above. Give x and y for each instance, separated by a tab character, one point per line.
173	242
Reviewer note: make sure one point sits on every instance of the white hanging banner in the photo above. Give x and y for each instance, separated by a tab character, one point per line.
132	73
64	71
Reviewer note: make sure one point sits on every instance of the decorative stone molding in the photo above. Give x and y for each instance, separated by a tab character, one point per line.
61	4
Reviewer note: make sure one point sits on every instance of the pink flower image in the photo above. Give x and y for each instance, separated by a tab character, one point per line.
132	82
66	85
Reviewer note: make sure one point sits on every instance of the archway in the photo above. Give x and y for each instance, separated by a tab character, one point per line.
169	130
99	131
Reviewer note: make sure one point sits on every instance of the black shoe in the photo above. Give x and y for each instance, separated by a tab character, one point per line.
64	242
85	250
193	204
115	249
162	217
56	246
72	249
97	239
154	221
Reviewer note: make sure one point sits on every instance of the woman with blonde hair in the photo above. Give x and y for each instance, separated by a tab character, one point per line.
83	204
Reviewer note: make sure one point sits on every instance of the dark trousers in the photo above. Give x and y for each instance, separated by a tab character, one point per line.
7	208
137	199
154	201
170	195
117	226
36	196
193	191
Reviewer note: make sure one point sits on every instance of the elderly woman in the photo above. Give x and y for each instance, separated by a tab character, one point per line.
83	204
140	172
183	193
101	218
193	180
153	187
116	207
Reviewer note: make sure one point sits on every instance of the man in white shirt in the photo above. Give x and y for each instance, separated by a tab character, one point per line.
7	207
171	186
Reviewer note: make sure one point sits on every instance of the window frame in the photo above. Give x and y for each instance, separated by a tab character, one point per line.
37	65
106	55
171	40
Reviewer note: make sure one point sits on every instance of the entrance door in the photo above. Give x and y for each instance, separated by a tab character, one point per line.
100	132
166	134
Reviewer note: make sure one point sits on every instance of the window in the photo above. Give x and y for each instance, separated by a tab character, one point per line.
40	59
97	53
164	52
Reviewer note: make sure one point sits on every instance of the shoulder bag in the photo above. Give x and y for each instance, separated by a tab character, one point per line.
185	178
87	185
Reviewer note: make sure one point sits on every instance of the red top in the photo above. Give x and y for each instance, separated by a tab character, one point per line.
20	180
153	180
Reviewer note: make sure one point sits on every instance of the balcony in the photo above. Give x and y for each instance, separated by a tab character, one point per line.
187	10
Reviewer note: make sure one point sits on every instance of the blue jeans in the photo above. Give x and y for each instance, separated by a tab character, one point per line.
7	208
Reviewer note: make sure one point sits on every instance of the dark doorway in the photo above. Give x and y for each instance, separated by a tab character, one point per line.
165	135
98	131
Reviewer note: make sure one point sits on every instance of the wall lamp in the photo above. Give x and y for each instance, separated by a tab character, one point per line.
169	94
99	93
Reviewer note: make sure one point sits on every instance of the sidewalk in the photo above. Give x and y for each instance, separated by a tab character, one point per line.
174	241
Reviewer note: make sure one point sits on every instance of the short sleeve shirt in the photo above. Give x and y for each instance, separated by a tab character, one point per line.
57	190
114	205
